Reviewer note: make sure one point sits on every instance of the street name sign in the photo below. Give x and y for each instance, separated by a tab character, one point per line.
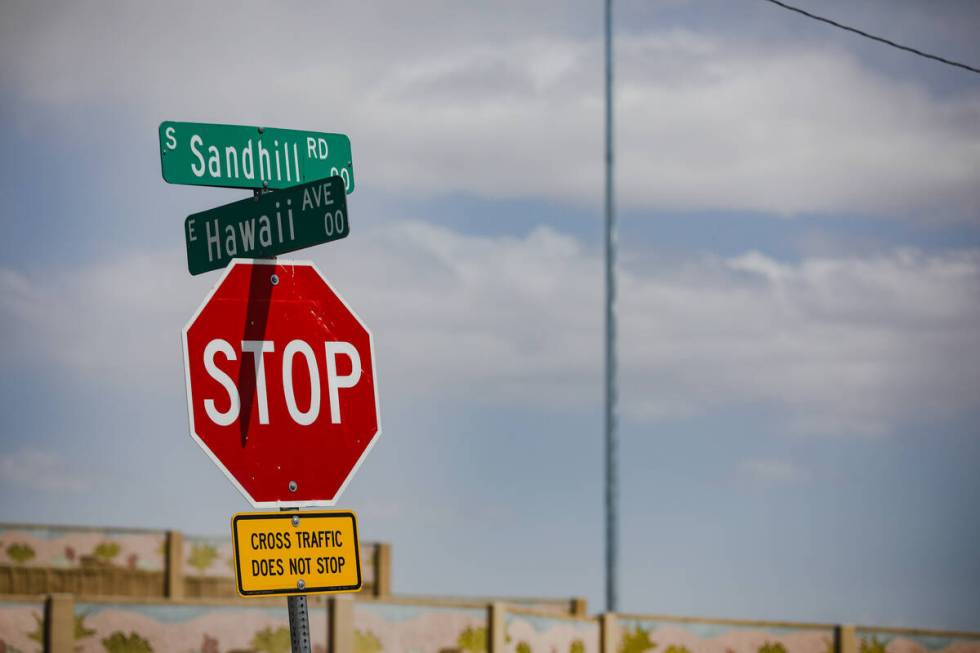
281	385
296	553
236	156
267	225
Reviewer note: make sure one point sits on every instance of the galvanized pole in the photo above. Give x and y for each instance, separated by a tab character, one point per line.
611	471
299	624
299	616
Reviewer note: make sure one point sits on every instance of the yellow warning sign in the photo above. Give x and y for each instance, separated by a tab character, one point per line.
296	552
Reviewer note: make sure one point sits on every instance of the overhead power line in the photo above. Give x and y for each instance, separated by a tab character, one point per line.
875	38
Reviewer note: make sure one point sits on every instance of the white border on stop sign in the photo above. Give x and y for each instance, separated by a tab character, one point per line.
190	402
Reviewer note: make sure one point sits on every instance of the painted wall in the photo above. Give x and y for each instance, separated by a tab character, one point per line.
139	628
21	626
537	634
206	560
872	640
76	548
212	557
665	636
393	628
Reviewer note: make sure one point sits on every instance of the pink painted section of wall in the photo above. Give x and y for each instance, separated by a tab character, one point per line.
18	620
679	637
882	641
198	550
51	547
543	635
392	628
195	629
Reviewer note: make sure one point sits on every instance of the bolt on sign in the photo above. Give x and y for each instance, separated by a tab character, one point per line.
267	225
236	156
296	553
281	385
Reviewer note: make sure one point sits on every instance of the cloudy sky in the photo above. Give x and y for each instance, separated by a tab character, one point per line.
800	287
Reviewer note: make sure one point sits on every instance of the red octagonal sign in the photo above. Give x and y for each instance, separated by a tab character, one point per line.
281	388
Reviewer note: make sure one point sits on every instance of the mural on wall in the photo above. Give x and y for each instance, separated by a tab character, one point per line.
76	548
662	636
389	628
109	628
536	634
209	556
883	641
21	626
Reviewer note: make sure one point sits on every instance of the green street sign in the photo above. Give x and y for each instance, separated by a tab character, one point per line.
234	156
267	225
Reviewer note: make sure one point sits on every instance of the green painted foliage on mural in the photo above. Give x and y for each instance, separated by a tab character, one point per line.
81	630
269	640
20	552
119	642
37	634
523	647
473	640
674	648
872	645
107	550
578	646
772	647
636	640
201	557
366	642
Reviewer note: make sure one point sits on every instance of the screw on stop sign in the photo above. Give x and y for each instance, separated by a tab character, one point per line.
281	386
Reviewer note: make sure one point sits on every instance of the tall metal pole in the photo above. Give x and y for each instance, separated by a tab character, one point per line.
611	471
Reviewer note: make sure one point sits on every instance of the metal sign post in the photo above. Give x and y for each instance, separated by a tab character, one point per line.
299	623
296	607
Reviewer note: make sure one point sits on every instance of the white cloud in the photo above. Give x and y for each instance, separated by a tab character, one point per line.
41	470
119	320
502	106
834	345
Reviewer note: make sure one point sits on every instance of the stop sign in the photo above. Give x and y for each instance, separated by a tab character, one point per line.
281	388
